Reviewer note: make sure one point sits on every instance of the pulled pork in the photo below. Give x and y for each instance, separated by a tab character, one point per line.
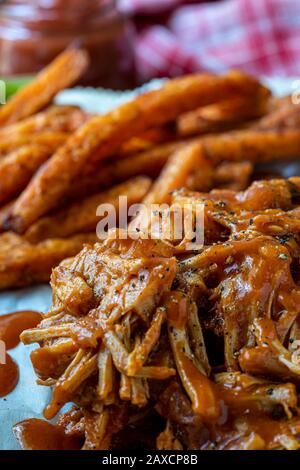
203	345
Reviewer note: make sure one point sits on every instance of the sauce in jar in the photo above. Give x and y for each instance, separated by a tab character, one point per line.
34	32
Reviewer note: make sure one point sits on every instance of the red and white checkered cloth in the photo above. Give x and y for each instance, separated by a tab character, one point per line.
261	37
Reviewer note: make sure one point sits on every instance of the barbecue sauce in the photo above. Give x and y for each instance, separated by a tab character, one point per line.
11	326
203	392
37	434
32	434
9	376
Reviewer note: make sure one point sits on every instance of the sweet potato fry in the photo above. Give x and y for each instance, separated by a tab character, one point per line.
61	73
253	145
24	264
149	163
283	117
17	168
233	146
50	140
176	173
221	116
82	216
54	119
4	213
147	140
102	136
227	175
233	175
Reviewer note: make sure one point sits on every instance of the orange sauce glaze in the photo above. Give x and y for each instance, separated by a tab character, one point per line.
11	326
37	434
9	376
205	399
32	434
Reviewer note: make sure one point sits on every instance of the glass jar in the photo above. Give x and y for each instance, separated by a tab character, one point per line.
33	32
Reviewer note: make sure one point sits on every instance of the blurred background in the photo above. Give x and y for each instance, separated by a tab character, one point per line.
132	41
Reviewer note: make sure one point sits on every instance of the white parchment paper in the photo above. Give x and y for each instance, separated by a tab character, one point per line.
28	399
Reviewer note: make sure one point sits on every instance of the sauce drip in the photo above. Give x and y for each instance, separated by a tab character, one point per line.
177	309
202	391
9	376
11	326
37	434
